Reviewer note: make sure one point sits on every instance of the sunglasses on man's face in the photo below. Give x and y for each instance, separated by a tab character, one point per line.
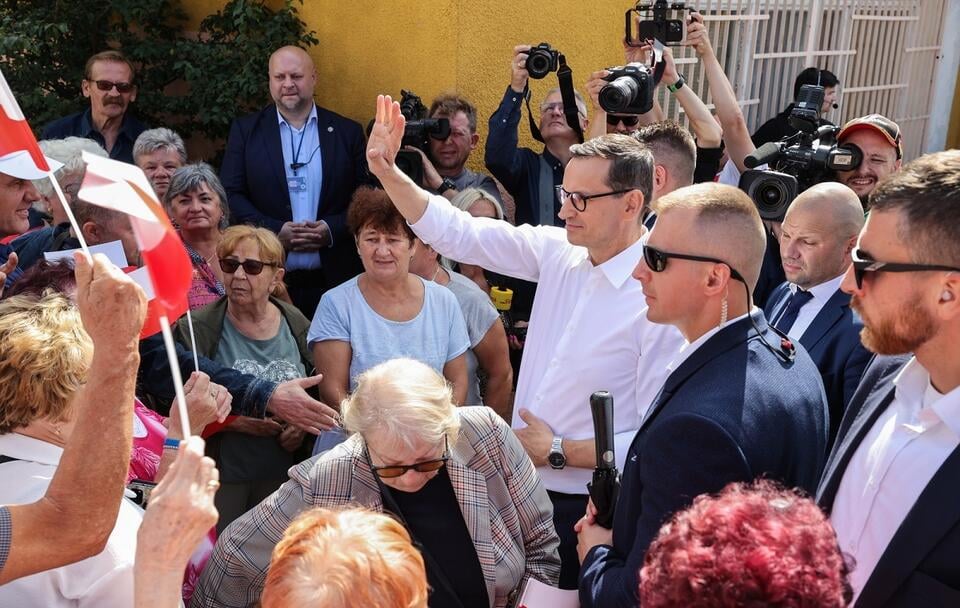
396	470
251	267
628	120
106	85
862	265
656	260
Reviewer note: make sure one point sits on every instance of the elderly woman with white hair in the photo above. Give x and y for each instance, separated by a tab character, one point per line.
159	152
457	478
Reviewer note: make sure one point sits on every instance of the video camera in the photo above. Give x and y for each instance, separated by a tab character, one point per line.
418	132
671	32
541	60
630	90
808	157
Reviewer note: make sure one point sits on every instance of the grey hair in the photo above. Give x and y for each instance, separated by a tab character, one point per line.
189	178
154	140
68	151
581	102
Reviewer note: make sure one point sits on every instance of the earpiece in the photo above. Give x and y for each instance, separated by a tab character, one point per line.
946	296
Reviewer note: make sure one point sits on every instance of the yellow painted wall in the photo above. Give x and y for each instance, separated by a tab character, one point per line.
431	46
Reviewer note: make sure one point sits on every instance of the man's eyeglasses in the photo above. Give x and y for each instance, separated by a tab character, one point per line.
396	470
251	267
106	85
657	261
861	266
558	106
628	120
579	201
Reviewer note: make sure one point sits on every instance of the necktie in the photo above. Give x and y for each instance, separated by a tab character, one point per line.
794	304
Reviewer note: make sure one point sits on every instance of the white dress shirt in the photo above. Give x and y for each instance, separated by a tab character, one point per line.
808	312
588	327
898	457
102	581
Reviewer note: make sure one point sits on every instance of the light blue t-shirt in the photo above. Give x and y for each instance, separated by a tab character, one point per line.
435	336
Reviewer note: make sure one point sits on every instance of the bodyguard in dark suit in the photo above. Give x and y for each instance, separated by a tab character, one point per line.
818	233
293	167
740	403
891	483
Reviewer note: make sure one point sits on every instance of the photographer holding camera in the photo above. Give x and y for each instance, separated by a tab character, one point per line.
779	126
531	177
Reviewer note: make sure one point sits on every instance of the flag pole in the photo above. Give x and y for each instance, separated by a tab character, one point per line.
177	378
193	340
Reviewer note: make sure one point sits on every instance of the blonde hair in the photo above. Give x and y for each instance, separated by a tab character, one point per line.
405	399
44	358
466	198
271	251
351	557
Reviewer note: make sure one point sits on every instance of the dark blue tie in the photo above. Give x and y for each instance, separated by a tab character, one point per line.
794	304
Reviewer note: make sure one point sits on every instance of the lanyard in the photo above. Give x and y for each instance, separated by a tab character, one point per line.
296	155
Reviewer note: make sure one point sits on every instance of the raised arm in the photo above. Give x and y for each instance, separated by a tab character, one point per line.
706	130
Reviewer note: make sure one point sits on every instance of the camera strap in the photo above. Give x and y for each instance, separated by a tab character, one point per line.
570	110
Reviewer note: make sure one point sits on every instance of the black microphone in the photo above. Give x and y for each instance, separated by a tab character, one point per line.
601	406
764	154
835	105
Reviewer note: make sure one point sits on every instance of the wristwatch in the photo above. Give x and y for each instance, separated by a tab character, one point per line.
446	184
557	458
677	85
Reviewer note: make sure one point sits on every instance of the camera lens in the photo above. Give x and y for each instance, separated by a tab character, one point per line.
619	94
770	196
538	64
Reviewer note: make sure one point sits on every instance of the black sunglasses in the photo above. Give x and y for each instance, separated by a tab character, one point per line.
628	120
861	266
396	470
657	261
106	85
579	201
251	267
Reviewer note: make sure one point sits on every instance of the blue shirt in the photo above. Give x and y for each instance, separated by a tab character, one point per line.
81	125
302	146
435	336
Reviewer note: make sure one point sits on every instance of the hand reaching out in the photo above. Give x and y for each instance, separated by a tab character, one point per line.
385	137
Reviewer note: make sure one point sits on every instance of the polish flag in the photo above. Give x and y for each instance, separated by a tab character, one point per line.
124	187
15	133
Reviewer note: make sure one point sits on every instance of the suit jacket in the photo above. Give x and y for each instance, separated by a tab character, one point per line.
254	178
506	509
833	342
732	411
921	565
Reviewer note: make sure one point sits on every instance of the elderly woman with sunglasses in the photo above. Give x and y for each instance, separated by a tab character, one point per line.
457	478
253	332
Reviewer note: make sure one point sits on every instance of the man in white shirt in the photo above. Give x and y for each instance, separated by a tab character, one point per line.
817	235
588	327
890	485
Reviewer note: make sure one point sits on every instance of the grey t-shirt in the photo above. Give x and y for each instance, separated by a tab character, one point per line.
479	314
244	457
472	179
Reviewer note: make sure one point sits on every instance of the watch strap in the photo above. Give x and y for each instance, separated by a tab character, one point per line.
677	85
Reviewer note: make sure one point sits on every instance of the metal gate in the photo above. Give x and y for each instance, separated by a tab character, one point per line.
883	51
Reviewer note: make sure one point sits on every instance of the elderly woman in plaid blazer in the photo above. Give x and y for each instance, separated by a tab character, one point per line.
457	478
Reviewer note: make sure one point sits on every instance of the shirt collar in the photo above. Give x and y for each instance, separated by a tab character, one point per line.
911	385
552	160
127	126
26	448
824	291
620	267
283	121
688	348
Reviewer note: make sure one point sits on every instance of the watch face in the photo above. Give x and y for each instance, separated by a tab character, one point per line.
556	460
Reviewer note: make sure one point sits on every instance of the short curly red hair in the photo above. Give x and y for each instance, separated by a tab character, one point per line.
751	545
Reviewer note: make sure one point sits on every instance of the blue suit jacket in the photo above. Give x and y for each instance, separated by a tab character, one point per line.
254	178
733	411
921	565
833	342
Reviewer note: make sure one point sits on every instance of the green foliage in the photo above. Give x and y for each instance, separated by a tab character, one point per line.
196	84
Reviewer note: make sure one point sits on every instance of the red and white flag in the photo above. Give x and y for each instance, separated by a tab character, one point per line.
124	187
15	133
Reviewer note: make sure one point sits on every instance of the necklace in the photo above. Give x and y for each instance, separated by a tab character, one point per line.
437	273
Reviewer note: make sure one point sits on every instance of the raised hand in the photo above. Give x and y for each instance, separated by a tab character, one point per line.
386	136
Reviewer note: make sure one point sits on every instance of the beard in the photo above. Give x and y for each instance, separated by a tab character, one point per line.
912	327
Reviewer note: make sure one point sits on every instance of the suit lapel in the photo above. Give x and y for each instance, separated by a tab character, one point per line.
471	489
828	316
328	151
936	511
274	146
779	299
364	488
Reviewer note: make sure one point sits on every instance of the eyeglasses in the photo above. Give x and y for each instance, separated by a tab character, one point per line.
558	106
579	201
106	85
861	266
396	470
657	261
628	120
251	267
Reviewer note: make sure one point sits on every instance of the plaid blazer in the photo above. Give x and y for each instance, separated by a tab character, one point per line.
505	507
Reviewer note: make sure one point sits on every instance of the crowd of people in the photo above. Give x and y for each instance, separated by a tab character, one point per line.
389	380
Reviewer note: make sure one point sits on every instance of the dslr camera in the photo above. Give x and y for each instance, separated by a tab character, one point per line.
671	32
541	60
418	132
630	90
808	157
